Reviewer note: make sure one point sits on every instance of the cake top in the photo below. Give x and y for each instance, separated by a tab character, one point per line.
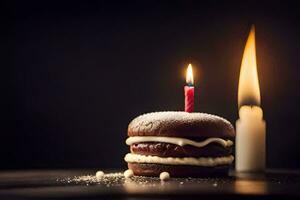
180	124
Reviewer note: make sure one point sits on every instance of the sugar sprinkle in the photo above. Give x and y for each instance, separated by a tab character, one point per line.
128	173
99	174
164	176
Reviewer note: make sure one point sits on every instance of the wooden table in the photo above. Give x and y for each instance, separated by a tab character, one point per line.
58	184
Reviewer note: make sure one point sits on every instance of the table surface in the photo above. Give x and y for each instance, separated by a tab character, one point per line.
64	184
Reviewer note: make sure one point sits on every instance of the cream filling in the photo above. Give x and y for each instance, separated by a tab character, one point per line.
178	141
202	161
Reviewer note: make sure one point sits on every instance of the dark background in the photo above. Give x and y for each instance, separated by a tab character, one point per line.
77	73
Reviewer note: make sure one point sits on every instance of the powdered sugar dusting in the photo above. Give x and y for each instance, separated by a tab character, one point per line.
107	179
136	183
112	180
152	121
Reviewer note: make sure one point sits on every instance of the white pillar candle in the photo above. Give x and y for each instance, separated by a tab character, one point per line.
250	151
250	140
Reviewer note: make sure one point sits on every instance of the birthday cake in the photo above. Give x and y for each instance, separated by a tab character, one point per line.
180	143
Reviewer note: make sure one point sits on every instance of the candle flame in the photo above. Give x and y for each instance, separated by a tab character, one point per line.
189	75
248	91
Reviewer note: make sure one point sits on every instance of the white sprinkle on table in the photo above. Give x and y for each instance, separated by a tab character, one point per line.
164	176
99	174
128	173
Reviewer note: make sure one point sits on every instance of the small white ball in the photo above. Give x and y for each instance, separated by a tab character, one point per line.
128	173
164	176
99	174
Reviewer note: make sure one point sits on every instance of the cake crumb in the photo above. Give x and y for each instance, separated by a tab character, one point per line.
164	176
128	173
99	174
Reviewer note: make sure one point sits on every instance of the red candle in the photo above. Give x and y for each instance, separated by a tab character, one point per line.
189	90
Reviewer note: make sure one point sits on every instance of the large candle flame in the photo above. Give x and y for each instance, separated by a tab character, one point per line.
189	75
248	92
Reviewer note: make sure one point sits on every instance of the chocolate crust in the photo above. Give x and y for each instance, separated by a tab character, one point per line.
172	150
180	124
141	169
